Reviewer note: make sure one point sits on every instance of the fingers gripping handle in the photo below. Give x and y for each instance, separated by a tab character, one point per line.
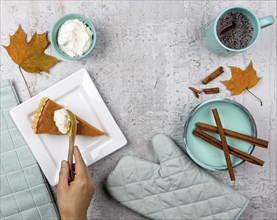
165	149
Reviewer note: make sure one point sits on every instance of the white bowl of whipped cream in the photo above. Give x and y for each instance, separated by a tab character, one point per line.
73	37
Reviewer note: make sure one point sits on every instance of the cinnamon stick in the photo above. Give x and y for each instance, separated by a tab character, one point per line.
213	75
213	90
234	134
236	152
195	91
224	144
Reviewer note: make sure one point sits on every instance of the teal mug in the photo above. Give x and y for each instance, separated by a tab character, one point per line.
214	43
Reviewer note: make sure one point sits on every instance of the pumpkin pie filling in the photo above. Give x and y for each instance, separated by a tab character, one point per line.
43	121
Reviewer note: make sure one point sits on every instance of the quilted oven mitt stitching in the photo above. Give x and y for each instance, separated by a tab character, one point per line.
159	181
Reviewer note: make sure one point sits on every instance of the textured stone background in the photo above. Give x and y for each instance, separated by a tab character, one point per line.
146	56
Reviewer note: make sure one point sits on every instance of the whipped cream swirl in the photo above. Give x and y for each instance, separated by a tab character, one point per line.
62	120
74	37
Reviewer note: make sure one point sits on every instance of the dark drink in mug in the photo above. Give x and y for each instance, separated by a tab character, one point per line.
234	30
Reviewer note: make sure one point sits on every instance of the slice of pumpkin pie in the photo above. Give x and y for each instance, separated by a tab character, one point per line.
44	123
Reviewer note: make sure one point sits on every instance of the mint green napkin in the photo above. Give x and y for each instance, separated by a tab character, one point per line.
24	191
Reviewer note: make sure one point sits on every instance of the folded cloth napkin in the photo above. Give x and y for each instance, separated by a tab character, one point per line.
174	189
24	191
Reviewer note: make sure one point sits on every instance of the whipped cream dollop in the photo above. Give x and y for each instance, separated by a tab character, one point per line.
62	120
74	37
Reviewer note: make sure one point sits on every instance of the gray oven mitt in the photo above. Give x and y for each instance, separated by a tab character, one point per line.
174	189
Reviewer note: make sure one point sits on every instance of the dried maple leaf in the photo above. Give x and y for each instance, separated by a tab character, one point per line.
30	55
241	79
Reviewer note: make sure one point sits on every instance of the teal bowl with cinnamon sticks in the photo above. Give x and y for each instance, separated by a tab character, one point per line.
234	117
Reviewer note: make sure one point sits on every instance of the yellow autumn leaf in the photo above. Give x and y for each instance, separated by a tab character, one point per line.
30	55
242	79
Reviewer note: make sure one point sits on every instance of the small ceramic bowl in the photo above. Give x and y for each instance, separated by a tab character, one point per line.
55	31
234	116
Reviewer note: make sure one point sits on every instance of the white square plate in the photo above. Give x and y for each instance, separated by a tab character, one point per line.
79	94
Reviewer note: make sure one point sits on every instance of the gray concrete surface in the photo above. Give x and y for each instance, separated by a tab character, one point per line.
146	56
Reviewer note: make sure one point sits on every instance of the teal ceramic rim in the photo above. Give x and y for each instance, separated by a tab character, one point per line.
233	8
191	114
55	30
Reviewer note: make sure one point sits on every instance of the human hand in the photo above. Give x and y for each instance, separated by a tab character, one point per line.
74	197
